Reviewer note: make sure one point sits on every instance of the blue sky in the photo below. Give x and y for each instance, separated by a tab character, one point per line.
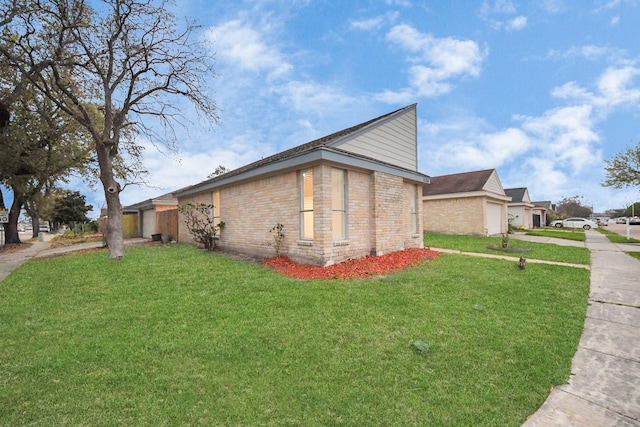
543	91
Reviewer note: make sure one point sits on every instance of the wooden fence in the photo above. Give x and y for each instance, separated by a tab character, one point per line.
167	224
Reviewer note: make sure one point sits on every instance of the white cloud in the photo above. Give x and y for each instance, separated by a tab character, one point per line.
495	14
567	134
373	23
313	97
591	53
518	23
367	24
497	7
613	89
553	6
402	3
437	60
244	47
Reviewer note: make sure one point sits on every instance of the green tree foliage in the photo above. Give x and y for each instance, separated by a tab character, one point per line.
69	208
632	210
623	170
40	147
119	68
219	171
573	207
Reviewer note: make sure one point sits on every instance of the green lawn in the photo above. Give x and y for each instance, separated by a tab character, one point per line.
571	234
478	244
172	335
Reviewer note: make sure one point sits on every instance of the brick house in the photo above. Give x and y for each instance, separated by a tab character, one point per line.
350	194
465	203
520	208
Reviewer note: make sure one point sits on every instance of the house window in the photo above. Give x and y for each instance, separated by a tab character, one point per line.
338	203
216	207
306	204
414	211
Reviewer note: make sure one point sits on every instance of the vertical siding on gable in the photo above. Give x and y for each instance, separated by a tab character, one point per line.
493	184
392	142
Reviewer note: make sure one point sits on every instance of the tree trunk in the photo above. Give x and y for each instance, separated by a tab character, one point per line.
11	228
113	231
35	219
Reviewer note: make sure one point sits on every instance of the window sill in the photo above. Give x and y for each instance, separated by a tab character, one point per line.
305	242
416	236
341	243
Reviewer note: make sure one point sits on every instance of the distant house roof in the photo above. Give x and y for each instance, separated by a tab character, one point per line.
516	194
545	204
165	199
465	182
324	148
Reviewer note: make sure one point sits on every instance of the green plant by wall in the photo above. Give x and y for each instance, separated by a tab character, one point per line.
201	223
278	237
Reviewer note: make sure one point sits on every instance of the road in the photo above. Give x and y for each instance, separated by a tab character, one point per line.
634	230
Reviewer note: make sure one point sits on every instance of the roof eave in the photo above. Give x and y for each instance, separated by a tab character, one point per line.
317	154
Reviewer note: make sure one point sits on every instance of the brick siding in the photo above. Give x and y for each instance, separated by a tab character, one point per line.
378	216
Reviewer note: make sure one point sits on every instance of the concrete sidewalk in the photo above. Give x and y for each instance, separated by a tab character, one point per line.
604	387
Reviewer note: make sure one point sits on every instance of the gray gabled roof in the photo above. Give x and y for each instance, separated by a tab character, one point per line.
465	182
516	194
319	149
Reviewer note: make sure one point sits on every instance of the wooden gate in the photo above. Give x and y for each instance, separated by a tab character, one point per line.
167	224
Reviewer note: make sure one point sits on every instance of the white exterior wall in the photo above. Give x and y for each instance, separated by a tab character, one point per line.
148	222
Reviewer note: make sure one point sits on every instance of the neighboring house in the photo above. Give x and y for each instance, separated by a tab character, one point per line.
465	203
157	216
545	209
347	195
520	208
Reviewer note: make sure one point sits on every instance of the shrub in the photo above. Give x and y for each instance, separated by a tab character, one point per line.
201	223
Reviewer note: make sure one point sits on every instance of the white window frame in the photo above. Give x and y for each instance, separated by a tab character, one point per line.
339	204
306	211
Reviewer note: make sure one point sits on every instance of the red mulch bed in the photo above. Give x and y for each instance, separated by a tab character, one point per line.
354	268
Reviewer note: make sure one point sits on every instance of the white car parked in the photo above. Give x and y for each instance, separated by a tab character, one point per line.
583	223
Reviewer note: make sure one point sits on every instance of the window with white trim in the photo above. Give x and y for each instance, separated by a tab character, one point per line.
414	210
306	204
216	207
339	203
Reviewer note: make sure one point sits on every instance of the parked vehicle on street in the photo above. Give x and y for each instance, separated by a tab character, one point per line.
583	223
44	228
634	221
621	220
602	222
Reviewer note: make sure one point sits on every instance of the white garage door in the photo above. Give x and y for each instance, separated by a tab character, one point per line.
148	223
494	218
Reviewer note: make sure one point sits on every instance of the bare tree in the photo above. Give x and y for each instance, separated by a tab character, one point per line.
120	69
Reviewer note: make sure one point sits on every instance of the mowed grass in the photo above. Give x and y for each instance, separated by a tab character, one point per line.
172	335
478	244
570	234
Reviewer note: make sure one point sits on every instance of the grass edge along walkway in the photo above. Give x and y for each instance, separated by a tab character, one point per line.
511	258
